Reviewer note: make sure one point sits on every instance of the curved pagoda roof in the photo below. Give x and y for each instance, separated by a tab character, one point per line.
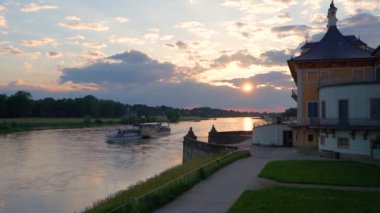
334	45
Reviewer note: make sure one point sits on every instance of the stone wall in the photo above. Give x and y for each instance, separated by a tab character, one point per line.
192	148
231	137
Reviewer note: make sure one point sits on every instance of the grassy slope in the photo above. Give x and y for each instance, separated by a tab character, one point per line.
155	182
283	199
323	172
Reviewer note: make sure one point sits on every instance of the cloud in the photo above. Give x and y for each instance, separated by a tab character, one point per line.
181	45
360	19
42	42
184	94
274	57
284	16
95	45
3	21
319	19
197	28
53	55
133	77
291	30
131	67
10	50
121	20
364	25
32	7
92	55
242	29
152	37
28	67
257	8
122	40
242	57
77	37
193	1
245	59
65	87
275	79
354	6
75	23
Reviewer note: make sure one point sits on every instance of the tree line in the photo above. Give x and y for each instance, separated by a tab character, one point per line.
21	104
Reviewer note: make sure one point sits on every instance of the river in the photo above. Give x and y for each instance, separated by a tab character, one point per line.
65	170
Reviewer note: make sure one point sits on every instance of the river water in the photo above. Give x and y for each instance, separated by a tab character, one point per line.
66	170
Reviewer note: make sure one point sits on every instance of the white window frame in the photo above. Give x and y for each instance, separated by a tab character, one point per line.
344	146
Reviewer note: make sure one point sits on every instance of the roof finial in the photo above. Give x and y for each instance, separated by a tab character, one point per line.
331	15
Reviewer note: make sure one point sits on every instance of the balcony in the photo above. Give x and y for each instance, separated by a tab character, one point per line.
351	123
330	81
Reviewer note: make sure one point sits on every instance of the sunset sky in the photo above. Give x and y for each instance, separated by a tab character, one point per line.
182	53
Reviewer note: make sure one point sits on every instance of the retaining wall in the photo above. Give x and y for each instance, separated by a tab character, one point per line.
193	148
231	137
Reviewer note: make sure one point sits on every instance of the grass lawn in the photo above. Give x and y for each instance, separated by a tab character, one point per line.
331	172
284	199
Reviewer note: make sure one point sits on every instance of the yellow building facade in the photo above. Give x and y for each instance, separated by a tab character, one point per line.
337	60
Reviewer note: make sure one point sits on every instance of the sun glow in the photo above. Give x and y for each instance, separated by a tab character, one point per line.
247	87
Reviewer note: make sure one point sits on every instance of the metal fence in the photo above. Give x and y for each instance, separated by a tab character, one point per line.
158	197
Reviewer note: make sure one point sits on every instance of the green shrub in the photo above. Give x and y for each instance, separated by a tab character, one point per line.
87	119
98	121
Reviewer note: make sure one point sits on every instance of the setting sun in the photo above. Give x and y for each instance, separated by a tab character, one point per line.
247	87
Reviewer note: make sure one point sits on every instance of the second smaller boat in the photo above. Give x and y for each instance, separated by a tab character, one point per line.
123	135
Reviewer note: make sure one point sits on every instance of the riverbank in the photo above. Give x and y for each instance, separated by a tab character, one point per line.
155	192
30	124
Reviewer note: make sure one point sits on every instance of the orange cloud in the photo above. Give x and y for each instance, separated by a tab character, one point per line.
65	87
32	7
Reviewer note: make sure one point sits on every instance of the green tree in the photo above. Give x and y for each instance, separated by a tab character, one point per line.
19	104
3	100
173	115
291	112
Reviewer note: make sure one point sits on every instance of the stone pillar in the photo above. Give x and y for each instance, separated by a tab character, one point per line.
190	134
212	135
187	150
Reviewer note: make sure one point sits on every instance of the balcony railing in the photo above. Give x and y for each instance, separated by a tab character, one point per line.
328	81
363	123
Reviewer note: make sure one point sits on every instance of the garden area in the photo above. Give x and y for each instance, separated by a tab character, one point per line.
326	172
292	200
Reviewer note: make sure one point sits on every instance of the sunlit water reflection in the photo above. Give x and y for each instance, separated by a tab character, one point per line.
66	170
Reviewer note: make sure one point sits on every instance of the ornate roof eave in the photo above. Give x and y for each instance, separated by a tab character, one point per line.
293	69
330	60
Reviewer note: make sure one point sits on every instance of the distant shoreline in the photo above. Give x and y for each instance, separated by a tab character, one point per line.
12	125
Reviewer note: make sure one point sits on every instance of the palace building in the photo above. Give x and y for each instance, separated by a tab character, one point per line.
338	93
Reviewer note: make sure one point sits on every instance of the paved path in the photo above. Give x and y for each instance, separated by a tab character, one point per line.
218	192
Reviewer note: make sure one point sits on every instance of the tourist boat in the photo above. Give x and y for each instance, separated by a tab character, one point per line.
149	130
123	135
